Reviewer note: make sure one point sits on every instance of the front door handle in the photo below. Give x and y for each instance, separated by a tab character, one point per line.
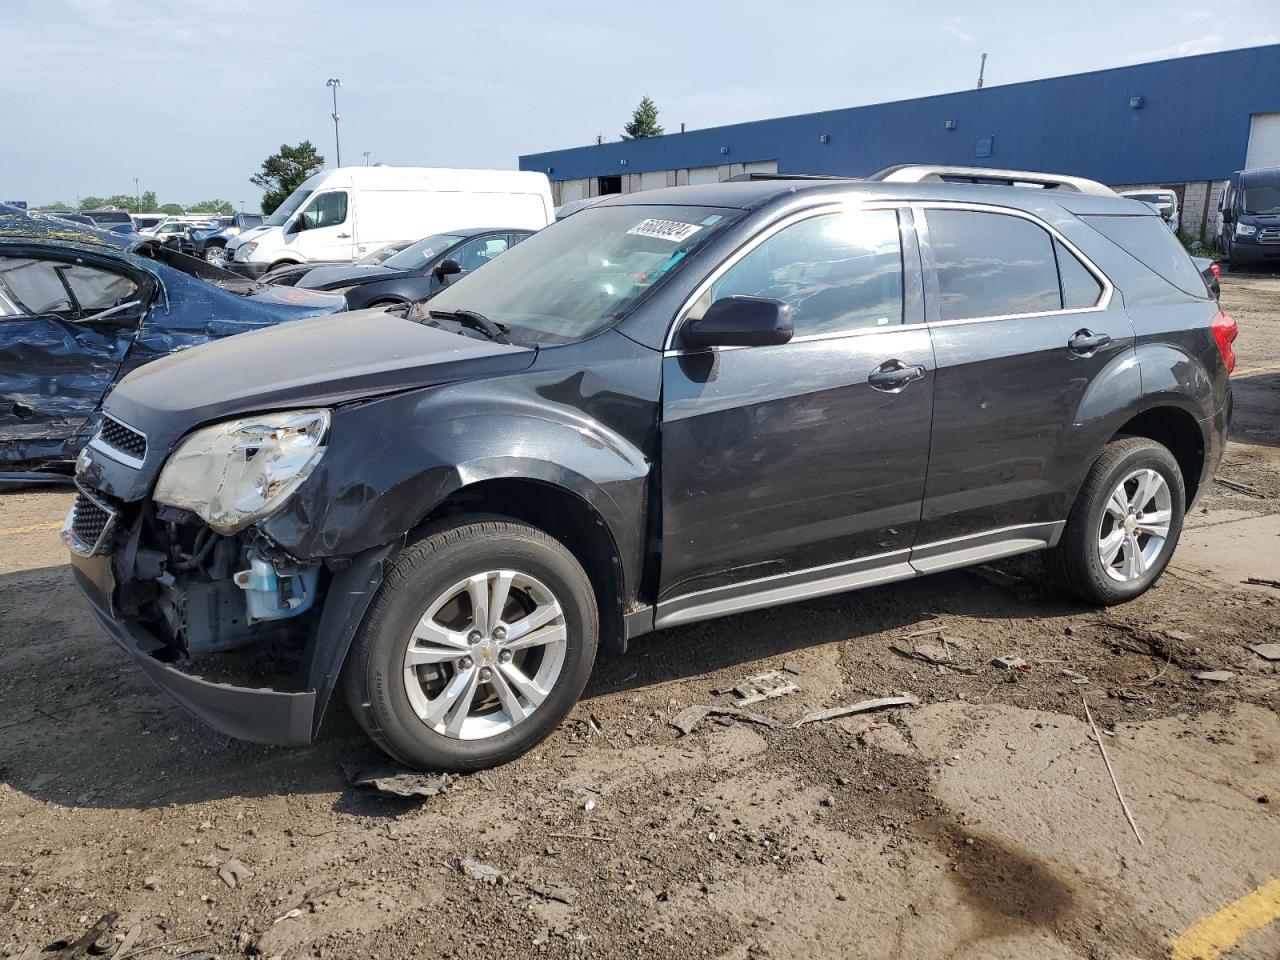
344	236
894	375
1085	341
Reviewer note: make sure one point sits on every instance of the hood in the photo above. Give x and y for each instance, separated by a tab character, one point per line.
324	278
248	235
317	362
299	297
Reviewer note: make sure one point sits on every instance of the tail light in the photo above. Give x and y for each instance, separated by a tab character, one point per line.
1225	332
1215	270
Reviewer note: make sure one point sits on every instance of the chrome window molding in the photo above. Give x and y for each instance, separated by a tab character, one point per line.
920	211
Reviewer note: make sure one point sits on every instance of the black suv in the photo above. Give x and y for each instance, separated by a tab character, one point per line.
673	406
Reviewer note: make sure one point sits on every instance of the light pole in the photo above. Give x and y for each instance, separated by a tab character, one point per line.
137	194
333	84
366	158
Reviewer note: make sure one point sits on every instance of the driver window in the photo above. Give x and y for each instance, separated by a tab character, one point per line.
473	255
838	271
326	210
70	290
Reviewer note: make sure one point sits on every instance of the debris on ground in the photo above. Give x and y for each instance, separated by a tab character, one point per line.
999	578
1215	676
1111	773
397	781
233	873
760	686
1239	487
482	872
1263	582
66	950
936	652
1267	651
563	895
1013	663
690	717
1073	676
902	700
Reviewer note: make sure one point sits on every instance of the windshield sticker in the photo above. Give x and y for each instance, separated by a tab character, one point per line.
713	219
673	230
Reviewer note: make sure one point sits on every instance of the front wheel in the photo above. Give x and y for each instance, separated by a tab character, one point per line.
1124	525
477	645
215	253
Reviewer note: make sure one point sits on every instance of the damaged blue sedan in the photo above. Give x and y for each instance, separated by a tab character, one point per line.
79	309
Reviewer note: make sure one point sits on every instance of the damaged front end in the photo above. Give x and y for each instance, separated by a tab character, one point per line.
243	635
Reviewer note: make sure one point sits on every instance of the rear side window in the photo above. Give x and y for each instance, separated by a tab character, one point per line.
1153	244
1080	288
992	265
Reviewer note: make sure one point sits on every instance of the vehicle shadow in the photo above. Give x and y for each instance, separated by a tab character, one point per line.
80	726
1255	399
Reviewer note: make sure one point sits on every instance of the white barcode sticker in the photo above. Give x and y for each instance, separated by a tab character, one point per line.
674	230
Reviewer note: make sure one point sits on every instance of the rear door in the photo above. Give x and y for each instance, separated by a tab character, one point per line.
1022	329
786	466
65	326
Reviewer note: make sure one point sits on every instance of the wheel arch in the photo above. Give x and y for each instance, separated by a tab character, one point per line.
1178	430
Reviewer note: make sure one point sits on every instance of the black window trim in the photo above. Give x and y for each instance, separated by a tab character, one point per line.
825	209
932	294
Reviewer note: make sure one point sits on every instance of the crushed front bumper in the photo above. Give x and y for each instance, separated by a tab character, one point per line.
261	715
251	270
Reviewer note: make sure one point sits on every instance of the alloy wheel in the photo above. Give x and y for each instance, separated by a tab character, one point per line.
485	654
1135	525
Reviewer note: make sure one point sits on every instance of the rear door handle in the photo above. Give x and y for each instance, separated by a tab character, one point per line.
1086	341
893	375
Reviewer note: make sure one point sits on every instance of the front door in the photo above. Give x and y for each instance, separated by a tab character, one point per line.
1021	327
326	228
786	465
65	326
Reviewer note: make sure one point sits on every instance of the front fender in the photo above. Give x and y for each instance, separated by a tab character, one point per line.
392	461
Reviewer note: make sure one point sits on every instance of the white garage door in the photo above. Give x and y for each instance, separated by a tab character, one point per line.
704	174
572	190
653	180
761	166
1264	141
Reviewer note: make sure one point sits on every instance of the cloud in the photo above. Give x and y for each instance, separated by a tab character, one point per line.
1185	48
955	27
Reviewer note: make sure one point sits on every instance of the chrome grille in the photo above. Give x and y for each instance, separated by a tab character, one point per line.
1269	235
122	438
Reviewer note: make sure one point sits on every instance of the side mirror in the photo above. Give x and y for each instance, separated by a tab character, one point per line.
447	268
299	224
741	322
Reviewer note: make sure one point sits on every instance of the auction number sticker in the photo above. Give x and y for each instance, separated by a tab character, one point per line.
674	230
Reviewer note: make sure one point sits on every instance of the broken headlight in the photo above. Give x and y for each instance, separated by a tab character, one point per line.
235	473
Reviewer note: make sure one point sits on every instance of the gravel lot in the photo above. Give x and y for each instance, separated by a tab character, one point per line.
980	824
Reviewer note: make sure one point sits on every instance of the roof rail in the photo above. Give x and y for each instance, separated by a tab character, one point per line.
941	173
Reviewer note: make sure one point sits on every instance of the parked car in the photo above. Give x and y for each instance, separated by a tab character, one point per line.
81	308
415	273
211	244
1212	274
290	274
574	206
1165	203
676	405
1250	207
342	214
148	221
67	215
108	216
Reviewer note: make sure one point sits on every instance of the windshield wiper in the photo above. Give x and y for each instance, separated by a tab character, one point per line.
478	321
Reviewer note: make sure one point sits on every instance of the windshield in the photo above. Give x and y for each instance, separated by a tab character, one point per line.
578	276
285	210
418	255
1262	201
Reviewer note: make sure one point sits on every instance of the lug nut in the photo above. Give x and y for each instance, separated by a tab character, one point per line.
466	663
485	673
474	637
499	633
505	656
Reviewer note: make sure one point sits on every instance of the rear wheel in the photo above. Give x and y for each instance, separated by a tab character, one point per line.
478	644
215	253
1124	526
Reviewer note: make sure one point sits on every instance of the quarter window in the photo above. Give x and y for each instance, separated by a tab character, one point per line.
992	265
1080	288
839	272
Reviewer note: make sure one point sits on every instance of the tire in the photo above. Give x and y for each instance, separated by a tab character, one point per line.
1077	563
405	708
215	253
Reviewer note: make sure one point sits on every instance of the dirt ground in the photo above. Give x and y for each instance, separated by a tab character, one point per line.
980	824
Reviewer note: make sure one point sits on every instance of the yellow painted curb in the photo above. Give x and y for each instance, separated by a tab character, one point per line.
1216	934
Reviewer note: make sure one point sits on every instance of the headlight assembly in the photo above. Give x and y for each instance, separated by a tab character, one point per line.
1245	229
245	249
235	473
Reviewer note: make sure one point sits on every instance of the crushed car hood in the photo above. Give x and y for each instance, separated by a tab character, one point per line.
317	362
325	277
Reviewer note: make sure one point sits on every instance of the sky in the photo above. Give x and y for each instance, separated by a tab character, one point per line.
189	97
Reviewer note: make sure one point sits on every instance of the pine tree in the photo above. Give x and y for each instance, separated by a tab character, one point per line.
644	122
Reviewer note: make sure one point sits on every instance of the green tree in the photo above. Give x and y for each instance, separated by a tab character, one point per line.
644	122
172	209
221	207
284	172
92	203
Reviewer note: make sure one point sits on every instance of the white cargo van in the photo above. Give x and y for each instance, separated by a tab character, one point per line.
345	213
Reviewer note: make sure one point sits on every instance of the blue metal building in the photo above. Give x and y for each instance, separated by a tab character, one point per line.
1181	122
